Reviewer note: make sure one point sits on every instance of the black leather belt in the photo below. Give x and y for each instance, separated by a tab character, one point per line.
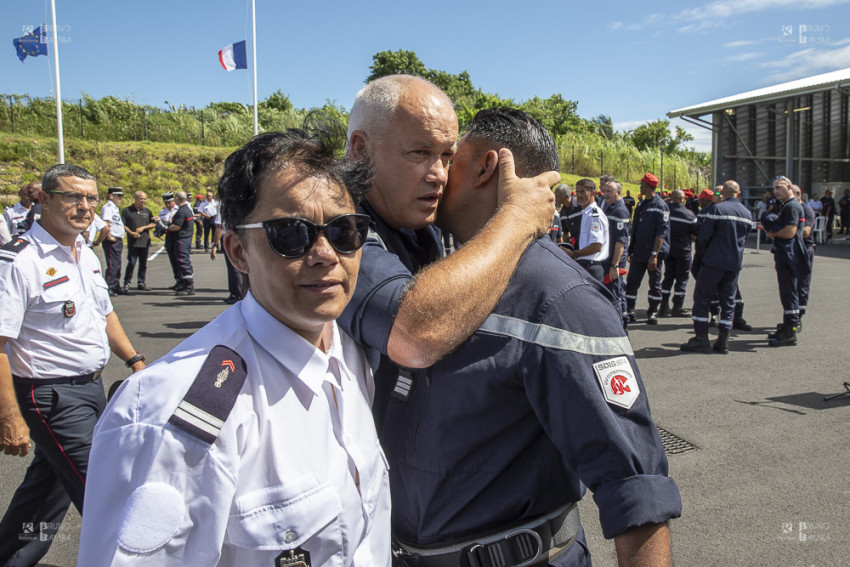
534	543
84	379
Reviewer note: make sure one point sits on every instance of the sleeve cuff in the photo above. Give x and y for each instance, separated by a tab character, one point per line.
636	501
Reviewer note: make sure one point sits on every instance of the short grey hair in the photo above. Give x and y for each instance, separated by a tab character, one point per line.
376	103
616	186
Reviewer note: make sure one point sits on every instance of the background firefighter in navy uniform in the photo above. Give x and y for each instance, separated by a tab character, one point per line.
723	232
591	247
619	222
790	258
179	239
805	283
648	244
113	246
677	264
57	327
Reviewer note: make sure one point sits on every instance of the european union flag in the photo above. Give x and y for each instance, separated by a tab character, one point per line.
32	44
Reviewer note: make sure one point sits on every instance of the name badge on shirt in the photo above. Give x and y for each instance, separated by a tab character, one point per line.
293	558
69	309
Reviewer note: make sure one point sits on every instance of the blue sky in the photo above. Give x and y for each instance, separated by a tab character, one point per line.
632	61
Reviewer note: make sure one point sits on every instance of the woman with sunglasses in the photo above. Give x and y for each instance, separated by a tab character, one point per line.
252	443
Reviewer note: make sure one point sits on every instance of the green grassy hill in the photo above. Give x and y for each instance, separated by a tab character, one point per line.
146	166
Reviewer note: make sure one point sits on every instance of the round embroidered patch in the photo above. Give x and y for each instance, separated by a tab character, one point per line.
151	517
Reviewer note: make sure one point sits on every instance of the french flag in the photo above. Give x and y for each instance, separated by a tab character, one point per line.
233	56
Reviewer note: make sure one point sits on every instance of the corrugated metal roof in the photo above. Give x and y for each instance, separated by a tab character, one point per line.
791	88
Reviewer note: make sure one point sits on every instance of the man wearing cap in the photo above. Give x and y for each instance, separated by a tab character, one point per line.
165	216
179	239
57	327
649	243
677	264
722	237
113	246
138	221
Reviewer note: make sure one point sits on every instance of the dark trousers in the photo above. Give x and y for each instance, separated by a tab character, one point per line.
676	271
595	269
789	293
637	269
61	419
804	283
134	255
830	221
184	260
209	232
234	277
199	231
171	248
618	291
714	283
112	252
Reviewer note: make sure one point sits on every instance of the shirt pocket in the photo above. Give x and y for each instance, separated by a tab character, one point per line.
53	308
301	513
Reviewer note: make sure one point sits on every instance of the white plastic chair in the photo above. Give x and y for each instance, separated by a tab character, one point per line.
820	229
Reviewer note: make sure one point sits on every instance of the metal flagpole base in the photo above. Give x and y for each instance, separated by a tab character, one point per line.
839	395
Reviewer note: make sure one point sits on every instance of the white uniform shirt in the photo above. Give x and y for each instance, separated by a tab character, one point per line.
94	229
110	213
594	228
165	215
280	475
15	215
35	288
209	208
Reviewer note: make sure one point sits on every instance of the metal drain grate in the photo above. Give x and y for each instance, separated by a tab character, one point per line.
674	445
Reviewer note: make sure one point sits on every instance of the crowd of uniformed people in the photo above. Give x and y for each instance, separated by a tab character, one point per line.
359	360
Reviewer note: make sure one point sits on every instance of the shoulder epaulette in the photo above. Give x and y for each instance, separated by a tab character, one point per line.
212	395
11	249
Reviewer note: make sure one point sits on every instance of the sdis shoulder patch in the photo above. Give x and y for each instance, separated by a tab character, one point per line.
618	381
212	395
11	249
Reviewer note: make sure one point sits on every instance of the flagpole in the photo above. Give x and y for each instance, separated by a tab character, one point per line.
59	128
253	57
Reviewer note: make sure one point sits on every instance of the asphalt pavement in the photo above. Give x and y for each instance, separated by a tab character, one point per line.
762	461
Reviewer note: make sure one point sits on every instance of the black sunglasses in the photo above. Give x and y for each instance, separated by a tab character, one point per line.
292	237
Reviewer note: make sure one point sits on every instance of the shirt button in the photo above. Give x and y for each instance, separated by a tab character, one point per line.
289	536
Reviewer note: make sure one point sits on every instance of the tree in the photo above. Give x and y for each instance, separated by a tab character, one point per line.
604	126
394	63
649	136
277	101
555	113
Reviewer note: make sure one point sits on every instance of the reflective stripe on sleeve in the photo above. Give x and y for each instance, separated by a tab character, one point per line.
551	337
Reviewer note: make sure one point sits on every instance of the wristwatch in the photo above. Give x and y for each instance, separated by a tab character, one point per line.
139	357
654	253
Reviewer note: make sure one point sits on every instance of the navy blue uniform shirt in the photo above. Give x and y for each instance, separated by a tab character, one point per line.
793	248
618	228
809	215
683	225
389	259
651	221
723	232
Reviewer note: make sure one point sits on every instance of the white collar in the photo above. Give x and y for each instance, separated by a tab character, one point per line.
291	350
